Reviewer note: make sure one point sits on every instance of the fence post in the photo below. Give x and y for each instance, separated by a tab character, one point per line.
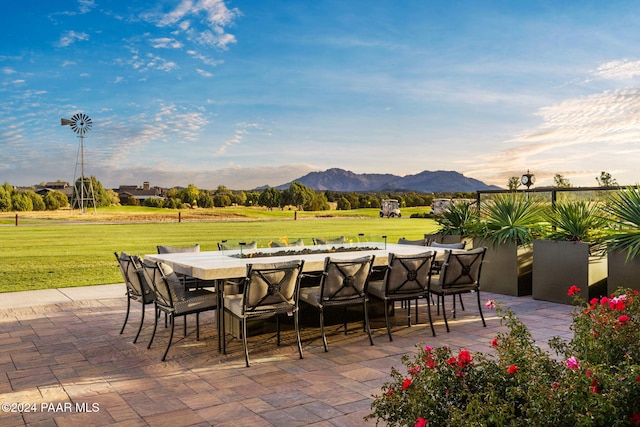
16	220
179	216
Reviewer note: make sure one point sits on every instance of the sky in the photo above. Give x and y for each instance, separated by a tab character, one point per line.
247	93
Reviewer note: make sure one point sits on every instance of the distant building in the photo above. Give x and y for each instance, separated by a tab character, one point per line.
127	192
61	186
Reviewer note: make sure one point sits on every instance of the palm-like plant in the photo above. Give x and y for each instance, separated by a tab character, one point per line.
576	221
510	218
460	219
624	208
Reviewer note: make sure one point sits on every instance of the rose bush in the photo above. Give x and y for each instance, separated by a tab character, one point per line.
593	380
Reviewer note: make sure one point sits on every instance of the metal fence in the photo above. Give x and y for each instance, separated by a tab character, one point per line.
554	194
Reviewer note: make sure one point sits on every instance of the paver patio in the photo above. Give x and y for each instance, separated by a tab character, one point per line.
67	350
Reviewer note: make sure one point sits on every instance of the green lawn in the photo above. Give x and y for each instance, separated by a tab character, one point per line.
65	255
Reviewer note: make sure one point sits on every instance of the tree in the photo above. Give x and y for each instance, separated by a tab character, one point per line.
5	200
343	204
514	183
190	195
205	200
221	200
55	200
21	202
270	198
606	180
560	181
36	200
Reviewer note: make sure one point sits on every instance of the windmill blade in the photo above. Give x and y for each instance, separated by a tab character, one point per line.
65	122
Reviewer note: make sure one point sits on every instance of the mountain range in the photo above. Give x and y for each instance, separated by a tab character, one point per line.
336	179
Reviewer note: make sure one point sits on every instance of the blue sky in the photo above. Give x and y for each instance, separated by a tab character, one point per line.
245	93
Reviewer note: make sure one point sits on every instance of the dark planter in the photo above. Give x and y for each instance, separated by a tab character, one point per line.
558	265
622	273
507	268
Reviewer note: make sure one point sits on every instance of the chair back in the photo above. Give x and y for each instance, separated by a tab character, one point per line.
162	249
165	284
131	270
419	242
336	241
408	275
230	246
460	245
462	269
344	280
272	287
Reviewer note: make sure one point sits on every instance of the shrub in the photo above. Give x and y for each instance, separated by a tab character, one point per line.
594	380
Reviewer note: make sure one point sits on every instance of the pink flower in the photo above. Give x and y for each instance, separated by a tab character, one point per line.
428	349
406	383
604	301
624	318
573	290
494	343
421	422
414	370
490	304
390	392
572	363
452	361
512	369
431	364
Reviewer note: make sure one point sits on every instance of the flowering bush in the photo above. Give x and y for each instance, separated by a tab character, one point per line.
593	380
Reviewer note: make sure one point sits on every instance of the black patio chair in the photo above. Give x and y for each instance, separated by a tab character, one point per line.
406	279
460	274
343	283
172	299
269	290
138	289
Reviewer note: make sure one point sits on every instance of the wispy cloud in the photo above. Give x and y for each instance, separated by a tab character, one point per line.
237	138
622	69
71	37
166	42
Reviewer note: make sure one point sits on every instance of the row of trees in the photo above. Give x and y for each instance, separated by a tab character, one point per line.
560	181
22	201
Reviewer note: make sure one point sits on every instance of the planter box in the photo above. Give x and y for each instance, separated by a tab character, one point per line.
558	265
507	269
622	273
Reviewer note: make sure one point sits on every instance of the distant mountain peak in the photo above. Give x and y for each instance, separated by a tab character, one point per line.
336	179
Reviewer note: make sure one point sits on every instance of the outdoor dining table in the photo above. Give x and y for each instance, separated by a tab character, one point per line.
218	266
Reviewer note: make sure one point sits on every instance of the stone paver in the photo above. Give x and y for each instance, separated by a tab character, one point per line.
64	363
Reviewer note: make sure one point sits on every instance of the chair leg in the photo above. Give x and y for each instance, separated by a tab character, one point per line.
433	331
345	319
480	308
366	321
297	326
185	325
461	303
173	326
386	319
197	325
408	312
324	337
222	333
155	325
444	313
126	316
141	322
244	341
417	300
278	330
454	306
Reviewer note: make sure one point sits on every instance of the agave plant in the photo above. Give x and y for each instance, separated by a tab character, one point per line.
460	219
510	218
576	221
624	208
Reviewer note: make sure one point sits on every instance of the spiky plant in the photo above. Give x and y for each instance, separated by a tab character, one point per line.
576	221
510	218
624	209
460	218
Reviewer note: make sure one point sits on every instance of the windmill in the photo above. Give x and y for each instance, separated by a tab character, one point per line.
80	123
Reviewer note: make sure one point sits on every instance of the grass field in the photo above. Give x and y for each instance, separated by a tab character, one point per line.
65	249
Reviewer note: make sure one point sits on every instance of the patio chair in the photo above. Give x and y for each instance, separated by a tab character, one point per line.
460	274
343	283
188	281
171	298
406	279
224	246
336	241
138	289
269	290
436	266
418	242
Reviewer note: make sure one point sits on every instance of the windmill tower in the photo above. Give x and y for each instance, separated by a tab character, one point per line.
83	194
